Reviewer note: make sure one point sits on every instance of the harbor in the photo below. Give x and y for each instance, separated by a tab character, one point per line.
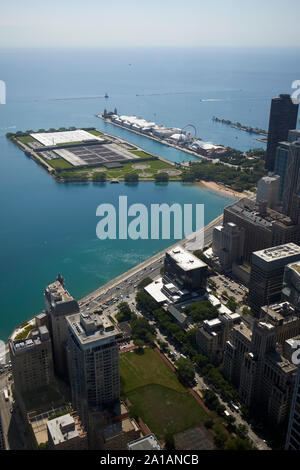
181	139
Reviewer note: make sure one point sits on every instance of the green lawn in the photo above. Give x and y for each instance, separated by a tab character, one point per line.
26	139
95	132
135	374
157	396
141	153
59	163
154	166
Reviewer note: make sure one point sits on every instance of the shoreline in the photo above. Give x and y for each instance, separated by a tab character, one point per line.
220	188
104	289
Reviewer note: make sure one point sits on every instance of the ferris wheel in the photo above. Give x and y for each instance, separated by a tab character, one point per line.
190	131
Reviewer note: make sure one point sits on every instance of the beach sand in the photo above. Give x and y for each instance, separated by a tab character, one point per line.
223	189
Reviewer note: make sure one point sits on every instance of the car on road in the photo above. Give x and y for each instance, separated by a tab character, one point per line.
233	406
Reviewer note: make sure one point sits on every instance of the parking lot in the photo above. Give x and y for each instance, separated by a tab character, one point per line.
96	154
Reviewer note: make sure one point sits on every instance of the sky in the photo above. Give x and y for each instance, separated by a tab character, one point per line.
127	23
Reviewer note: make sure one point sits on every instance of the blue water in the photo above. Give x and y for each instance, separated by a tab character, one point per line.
48	227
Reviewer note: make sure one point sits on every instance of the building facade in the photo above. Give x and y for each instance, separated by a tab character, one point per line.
293	433
93	357
267	271
292	178
255	361
291	284
283	117
211	337
263	227
186	269
268	190
2	440
32	361
59	303
228	244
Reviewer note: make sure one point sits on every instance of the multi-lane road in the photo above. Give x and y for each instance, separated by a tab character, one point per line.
151	267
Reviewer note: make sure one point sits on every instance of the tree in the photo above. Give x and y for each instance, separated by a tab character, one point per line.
169	442
239	444
141	329
99	176
162	177
242	431
208	423
220	438
144	282
124	313
185	370
200	311
232	304
140	345
132	177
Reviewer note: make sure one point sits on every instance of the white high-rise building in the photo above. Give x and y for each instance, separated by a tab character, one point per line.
93	360
268	190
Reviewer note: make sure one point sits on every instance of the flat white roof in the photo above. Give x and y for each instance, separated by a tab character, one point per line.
213	322
62	429
213	300
278	252
185	259
224	309
154	289
54	138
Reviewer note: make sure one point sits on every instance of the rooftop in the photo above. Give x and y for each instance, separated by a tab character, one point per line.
145	443
64	428
278	252
90	327
58	292
37	337
55	138
281	362
186	260
282	312
155	290
250	210
295	266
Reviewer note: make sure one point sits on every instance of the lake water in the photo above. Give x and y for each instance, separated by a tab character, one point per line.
48	227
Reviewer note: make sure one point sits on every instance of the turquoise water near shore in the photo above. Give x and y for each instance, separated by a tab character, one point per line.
48	227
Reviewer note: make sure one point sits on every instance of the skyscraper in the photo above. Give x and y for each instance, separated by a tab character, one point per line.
283	117
59	303
282	158
267	270
293	434
292	178
93	358
268	190
32	362
2	441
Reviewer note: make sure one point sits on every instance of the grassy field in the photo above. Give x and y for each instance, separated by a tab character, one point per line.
95	132
154	167
119	173
26	139
141	153
157	396
59	163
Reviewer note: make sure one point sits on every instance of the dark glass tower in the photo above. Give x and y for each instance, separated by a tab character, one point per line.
283	117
